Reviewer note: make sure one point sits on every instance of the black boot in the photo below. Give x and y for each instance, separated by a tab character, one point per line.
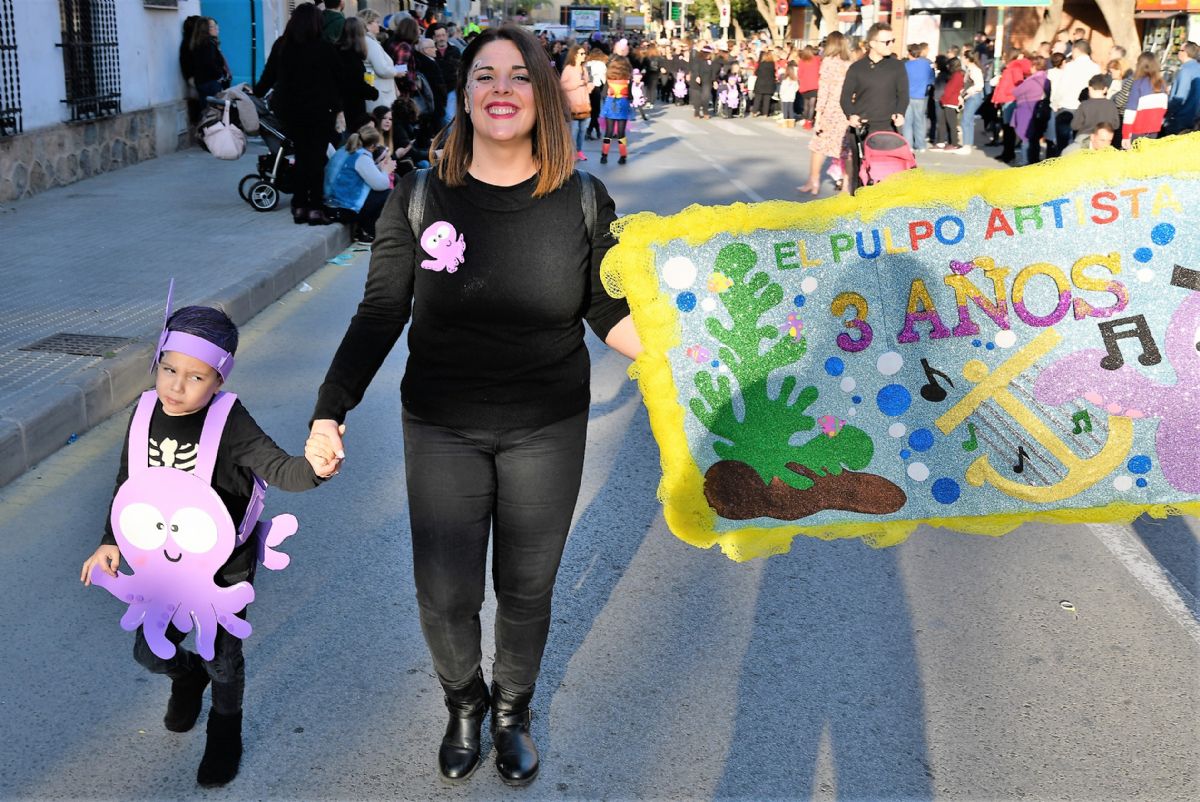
222	752
458	756
516	754
187	697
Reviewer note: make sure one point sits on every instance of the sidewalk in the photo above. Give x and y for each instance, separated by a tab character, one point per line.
95	258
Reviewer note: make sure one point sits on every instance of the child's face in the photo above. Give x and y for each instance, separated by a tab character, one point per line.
184	384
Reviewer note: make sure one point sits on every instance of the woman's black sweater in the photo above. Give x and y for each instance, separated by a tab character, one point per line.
499	342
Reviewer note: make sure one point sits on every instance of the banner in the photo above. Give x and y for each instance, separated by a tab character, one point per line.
970	352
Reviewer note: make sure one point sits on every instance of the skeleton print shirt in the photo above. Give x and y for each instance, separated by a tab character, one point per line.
245	451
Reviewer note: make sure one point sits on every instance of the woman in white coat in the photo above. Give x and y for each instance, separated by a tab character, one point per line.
379	62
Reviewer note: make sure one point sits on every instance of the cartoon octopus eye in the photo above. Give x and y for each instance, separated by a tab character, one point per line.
194	530
142	525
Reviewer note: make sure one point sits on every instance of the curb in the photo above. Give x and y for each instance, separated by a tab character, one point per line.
47	422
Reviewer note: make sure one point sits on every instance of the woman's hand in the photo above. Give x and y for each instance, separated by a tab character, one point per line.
109	560
339	124
402	152
327	434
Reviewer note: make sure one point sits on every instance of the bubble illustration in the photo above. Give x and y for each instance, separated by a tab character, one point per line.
686	301
834	366
946	490
893	399
889	364
679	272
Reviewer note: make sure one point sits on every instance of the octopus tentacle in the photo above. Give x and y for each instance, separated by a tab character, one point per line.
154	629
205	620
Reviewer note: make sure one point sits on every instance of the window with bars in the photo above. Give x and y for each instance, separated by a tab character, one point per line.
10	73
90	59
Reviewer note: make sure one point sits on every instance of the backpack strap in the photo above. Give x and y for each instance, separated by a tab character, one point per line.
416	203
587	189
210	435
139	433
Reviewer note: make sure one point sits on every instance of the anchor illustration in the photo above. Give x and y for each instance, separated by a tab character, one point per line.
993	385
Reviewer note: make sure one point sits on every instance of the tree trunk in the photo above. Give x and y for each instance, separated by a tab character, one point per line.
1051	23
1119	16
829	14
738	34
766	10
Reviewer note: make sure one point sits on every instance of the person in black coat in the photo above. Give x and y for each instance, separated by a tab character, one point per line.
764	84
301	73
700	81
206	64
409	32
352	84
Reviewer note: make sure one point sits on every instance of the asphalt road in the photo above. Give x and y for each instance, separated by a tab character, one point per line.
946	667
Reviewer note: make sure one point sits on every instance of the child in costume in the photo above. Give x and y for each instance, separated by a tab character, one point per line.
172	440
680	88
639	94
617	110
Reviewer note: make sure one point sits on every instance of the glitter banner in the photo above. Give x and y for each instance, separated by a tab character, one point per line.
971	352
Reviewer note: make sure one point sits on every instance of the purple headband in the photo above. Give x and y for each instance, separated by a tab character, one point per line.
212	355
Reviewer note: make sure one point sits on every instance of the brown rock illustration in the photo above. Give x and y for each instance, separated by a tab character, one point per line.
736	492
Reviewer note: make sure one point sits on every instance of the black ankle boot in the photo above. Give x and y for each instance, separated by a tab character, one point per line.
458	756
222	752
516	754
187	697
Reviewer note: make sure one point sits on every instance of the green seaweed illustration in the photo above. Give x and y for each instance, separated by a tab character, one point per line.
761	439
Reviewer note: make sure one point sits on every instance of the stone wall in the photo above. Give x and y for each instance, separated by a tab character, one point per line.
58	155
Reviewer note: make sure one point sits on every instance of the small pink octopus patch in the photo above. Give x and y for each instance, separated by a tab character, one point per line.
445	245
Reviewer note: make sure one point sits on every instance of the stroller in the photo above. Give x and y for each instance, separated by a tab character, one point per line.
276	167
876	156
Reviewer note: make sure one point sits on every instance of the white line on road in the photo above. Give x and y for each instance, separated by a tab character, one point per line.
1179	603
737	182
684	127
731	127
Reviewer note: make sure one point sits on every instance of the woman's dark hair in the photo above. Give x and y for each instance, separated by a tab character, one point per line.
206	323
305	25
404	110
185	44
407	29
377	115
553	150
953	65
354	38
201	34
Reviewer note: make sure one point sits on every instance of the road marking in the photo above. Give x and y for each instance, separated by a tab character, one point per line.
730	127
733	179
1179	603
684	127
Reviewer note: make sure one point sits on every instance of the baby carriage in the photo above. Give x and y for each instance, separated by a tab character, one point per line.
276	167
877	156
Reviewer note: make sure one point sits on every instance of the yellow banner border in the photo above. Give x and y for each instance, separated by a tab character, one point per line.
629	271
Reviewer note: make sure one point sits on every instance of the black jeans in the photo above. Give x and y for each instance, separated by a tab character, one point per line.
227	669
464	483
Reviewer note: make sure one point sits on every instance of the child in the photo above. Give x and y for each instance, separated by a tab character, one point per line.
195	358
788	89
680	89
638	91
1095	110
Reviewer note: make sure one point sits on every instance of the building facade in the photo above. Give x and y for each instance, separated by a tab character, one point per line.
87	86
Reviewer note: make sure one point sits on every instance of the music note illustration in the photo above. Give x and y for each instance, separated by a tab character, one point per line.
1082	421
1115	359
932	391
973	443
1021	455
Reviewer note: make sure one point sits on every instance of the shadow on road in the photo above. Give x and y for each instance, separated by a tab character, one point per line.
831	659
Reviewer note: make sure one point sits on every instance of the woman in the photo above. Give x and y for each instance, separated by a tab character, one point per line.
597	69
1147	103
617	109
1032	112
575	85
401	154
358	183
301	70
950	101
808	76
972	99
495	393
357	94
829	128
764	84
208	68
379	63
